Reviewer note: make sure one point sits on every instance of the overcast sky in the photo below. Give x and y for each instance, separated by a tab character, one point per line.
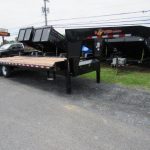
19	13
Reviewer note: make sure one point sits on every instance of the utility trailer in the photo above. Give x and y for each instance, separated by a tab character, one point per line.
61	55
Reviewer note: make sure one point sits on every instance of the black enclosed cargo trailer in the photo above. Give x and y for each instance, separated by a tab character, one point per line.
61	55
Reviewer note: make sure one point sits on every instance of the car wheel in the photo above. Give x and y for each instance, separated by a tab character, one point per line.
6	71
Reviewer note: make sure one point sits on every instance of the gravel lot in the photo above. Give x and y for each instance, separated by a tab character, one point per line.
36	114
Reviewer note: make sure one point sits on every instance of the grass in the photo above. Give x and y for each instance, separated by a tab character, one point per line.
130	77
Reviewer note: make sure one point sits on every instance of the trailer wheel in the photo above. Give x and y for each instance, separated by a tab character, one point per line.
6	71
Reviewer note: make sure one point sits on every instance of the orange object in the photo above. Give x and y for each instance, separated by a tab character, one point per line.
4	34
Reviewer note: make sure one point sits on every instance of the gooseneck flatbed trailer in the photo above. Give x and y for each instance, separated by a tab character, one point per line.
60	55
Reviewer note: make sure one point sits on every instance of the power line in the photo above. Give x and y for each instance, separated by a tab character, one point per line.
108	20
99	23
76	23
105	25
117	14
105	15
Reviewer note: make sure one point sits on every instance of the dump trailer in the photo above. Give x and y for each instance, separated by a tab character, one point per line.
61	55
131	42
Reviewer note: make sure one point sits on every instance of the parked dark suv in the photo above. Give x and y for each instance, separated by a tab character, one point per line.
11	49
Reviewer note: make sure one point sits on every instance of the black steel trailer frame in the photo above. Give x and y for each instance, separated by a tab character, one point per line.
62	68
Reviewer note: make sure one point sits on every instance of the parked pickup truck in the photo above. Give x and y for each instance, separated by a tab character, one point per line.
11	49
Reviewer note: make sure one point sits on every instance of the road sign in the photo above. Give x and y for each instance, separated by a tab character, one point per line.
4	32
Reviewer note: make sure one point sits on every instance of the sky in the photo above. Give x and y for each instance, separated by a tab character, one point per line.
15	14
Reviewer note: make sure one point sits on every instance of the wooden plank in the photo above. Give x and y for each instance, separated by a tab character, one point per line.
32	61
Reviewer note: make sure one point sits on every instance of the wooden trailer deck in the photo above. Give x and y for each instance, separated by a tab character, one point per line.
31	62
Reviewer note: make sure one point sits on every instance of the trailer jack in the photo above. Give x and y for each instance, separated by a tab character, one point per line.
51	77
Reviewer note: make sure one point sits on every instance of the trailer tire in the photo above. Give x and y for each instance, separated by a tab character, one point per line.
6	71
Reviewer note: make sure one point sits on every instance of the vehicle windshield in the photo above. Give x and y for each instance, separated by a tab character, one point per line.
6	46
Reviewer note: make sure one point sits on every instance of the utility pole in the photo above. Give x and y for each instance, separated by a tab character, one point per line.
3	39
45	11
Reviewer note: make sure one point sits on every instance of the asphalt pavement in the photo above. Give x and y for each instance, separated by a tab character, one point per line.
36	114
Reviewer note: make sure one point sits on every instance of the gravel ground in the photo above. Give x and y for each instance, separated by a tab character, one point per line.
36	114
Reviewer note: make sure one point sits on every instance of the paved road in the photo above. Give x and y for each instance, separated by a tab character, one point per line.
36	114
